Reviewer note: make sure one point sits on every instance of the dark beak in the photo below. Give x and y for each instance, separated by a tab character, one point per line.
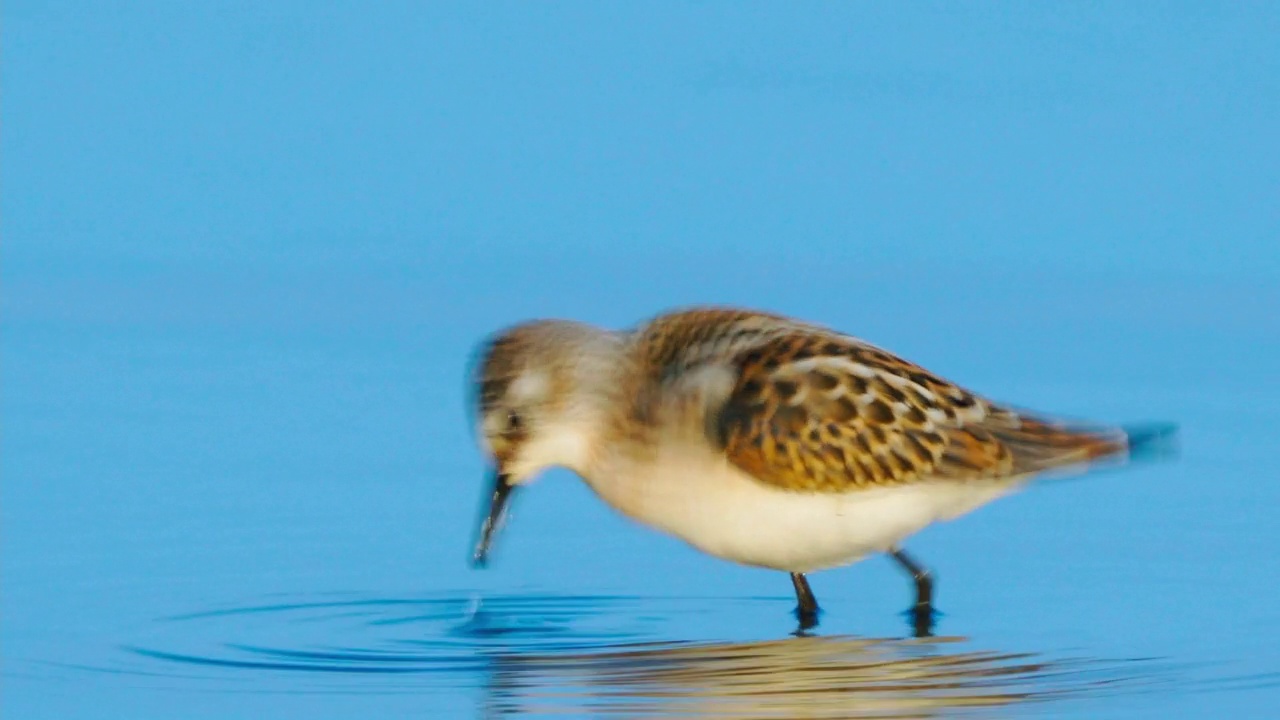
499	495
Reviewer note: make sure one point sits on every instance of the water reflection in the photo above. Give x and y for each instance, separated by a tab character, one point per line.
796	677
605	655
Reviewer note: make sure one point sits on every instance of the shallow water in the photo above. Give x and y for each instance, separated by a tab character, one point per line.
221	514
607	655
248	248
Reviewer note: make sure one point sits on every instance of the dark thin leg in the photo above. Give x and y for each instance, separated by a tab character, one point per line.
922	612
806	603
924	582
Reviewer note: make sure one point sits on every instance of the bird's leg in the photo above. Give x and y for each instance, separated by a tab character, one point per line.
806	603
924	582
922	613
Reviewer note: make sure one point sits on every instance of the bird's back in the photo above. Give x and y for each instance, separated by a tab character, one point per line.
803	407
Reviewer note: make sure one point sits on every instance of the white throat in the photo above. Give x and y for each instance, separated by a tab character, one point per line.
567	445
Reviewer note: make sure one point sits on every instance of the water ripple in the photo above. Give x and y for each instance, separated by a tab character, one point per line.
601	655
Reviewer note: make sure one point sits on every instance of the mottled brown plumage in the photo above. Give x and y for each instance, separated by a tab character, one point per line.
815	410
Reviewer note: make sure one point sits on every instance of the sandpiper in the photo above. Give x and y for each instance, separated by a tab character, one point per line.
762	439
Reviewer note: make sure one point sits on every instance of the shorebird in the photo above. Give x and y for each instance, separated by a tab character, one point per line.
762	439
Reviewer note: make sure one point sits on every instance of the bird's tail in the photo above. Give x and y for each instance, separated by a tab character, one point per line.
1041	445
1151	441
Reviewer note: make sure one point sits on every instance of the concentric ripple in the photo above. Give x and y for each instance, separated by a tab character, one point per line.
599	655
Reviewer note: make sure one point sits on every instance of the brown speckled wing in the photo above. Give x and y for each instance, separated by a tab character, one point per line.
819	411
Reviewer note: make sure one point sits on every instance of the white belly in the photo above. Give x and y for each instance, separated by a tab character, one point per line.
722	511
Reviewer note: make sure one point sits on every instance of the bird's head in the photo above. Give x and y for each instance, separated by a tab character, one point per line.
535	399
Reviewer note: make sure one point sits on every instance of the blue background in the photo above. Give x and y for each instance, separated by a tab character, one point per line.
247	248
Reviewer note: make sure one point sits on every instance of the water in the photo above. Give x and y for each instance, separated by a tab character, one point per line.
270	514
249	247
565	654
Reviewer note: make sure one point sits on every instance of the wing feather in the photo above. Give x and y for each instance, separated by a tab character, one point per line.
814	410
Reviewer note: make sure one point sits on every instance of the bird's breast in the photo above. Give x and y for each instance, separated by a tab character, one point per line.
702	499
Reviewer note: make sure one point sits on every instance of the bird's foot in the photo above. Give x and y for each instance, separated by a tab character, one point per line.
806	619
922	617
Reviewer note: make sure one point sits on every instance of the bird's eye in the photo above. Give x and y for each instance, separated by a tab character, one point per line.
514	421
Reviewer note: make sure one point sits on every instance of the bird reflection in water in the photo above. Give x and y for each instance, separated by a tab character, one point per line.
812	677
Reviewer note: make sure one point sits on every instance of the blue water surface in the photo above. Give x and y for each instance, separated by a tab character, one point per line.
248	249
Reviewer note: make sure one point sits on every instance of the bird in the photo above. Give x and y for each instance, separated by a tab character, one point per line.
762	439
